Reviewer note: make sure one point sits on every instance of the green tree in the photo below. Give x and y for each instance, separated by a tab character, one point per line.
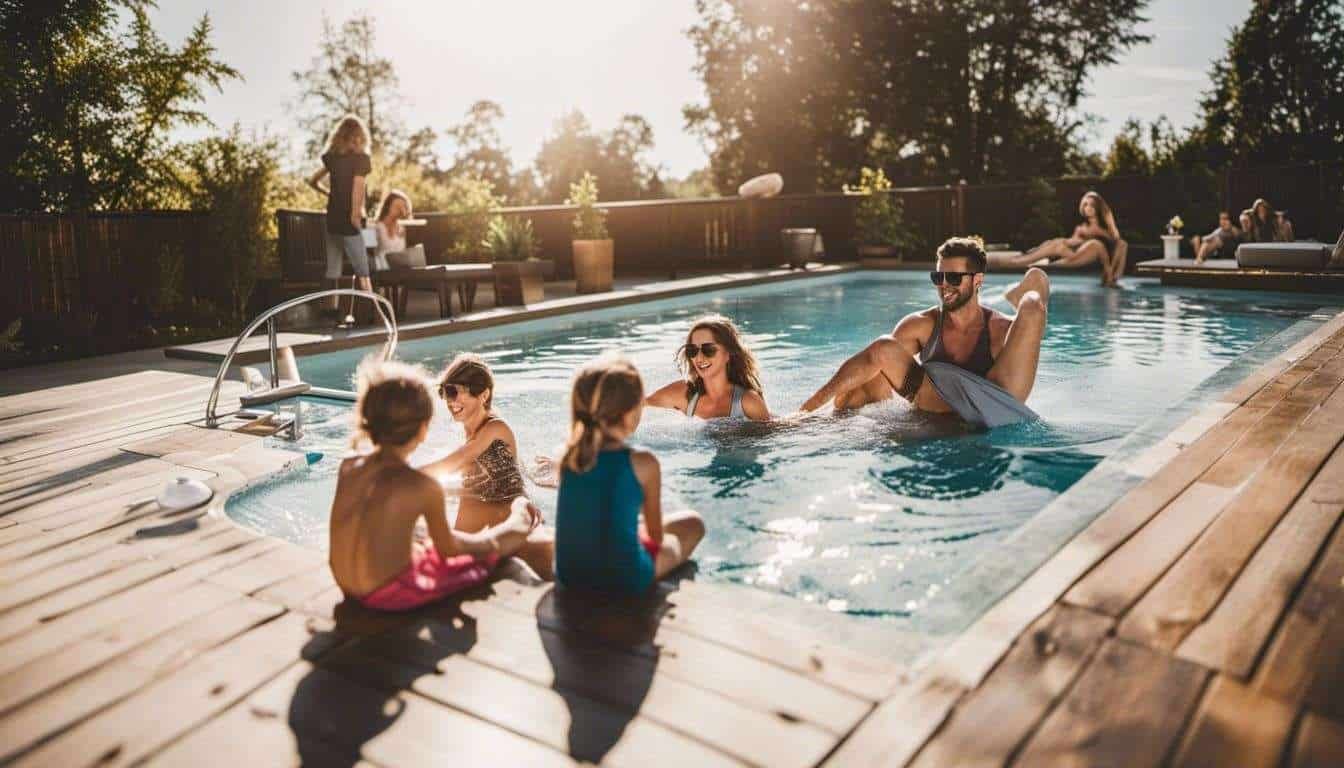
479	150
1278	94
90	98
618	159
1044	219
348	76
1127	156
928	89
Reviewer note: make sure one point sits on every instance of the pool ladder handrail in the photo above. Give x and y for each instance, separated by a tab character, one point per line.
388	317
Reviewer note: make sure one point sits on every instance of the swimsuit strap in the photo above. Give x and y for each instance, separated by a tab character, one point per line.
736	412
690	406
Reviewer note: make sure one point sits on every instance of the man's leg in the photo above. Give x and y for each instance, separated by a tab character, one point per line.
876	390
1015	367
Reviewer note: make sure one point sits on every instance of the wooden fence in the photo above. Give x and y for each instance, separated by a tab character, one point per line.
106	264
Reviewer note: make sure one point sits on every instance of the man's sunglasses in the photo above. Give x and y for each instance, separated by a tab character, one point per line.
952	278
708	349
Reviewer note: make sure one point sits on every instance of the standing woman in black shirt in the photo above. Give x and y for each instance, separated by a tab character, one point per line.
346	160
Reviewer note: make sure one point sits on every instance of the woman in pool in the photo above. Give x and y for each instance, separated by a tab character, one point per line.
1096	239
721	375
611	534
375	557
488	461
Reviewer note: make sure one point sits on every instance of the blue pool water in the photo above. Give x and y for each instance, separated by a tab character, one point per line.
870	514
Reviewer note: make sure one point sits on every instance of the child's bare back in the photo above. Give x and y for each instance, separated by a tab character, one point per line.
378	500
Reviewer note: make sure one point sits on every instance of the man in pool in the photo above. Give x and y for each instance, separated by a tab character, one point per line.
955	338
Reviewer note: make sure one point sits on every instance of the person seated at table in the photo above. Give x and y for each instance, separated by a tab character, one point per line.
1096	239
1268	225
395	208
375	556
1221	243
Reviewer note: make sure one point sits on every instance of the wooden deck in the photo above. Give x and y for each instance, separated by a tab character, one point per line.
1225	273
1199	620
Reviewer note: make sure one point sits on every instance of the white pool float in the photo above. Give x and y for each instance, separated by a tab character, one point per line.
767	185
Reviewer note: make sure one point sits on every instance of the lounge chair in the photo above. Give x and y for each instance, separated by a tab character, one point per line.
1296	255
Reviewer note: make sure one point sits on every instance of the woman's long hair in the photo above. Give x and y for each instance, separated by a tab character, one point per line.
348	137
1104	213
1266	229
386	204
605	390
470	371
742	368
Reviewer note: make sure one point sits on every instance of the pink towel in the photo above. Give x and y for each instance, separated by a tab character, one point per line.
430	577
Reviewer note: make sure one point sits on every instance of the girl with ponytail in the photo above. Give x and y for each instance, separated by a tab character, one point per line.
611	534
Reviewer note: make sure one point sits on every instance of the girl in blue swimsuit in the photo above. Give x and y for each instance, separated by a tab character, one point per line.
721	379
610	531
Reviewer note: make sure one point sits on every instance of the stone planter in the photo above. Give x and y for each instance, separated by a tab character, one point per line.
520	282
594	265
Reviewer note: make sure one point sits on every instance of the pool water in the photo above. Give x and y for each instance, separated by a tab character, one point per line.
870	514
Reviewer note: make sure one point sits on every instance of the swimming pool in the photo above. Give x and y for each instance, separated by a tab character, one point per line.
873	514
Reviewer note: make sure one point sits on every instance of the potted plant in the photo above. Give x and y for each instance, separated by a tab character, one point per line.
594	252
879	218
512	246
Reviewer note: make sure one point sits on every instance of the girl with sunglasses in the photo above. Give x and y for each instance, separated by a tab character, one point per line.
611	533
721	378
488	461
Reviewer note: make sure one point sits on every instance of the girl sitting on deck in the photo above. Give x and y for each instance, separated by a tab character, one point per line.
488	461
720	375
375	557
611	534
1096	239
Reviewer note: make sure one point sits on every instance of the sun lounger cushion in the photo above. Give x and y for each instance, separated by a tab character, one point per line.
1284	255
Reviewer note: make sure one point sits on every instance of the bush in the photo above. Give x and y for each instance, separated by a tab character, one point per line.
510	239
1043	214
470	200
590	223
879	218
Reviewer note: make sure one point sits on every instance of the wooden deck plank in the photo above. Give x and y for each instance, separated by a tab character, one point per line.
1319	743
294	592
746	678
1190	589
1122	578
1127	708
59	396
57	632
515	644
1233	636
97	410
309	715
110	683
135	727
970	657
899	726
586	729
30	680
283	561
1236	726
992	721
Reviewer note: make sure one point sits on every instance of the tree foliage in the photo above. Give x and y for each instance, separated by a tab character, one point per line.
618	159
927	89
91	93
1278	94
480	151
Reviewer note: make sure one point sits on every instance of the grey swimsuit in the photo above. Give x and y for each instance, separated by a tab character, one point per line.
735	412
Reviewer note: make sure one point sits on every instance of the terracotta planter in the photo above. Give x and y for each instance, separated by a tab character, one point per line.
520	282
594	262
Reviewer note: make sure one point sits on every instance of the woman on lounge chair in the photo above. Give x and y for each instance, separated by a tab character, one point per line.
721	379
1268	225
1097	239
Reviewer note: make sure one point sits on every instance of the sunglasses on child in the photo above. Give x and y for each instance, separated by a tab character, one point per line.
708	349
952	278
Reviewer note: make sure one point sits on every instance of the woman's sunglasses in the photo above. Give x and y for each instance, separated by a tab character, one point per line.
708	349
952	278
449	391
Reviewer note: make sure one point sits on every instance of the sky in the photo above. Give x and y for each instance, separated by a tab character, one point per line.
539	59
